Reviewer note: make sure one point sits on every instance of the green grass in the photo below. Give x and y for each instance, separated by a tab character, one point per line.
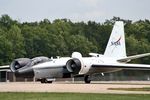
131	89
71	96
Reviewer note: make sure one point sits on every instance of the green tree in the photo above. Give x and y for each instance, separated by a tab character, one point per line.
80	44
17	40
6	54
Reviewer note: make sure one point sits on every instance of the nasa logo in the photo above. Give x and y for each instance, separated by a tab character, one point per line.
116	43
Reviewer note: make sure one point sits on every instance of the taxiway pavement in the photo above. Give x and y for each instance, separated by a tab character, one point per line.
78	87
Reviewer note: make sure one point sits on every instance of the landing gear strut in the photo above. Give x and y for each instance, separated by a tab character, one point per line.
86	79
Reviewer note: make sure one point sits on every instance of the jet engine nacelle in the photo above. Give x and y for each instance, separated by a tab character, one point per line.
76	65
20	67
23	66
19	63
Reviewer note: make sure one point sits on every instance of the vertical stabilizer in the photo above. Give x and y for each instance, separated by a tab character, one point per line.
116	44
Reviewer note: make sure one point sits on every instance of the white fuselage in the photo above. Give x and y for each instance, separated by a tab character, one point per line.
50	69
56	67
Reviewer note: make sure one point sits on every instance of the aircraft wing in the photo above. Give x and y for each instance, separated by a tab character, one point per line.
127	59
123	66
5	67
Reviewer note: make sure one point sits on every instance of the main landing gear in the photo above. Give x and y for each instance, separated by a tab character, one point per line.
45	81
86	79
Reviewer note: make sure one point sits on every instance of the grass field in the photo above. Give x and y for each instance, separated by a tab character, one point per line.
131	89
71	96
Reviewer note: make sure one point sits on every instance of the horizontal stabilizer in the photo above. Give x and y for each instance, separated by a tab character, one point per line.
123	66
127	59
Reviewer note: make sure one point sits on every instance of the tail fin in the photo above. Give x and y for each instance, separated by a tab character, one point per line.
116	44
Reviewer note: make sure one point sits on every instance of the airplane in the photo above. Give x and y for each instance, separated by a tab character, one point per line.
114	59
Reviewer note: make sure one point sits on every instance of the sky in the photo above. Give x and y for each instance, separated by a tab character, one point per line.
75	10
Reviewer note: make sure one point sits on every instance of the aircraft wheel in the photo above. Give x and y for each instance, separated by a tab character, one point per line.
43	80
86	79
49	81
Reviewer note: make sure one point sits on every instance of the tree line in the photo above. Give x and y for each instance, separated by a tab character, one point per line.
61	37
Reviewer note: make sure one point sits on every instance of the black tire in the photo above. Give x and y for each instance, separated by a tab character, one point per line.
43	80
86	79
49	81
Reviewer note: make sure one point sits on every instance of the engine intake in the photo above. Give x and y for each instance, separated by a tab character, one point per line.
74	65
